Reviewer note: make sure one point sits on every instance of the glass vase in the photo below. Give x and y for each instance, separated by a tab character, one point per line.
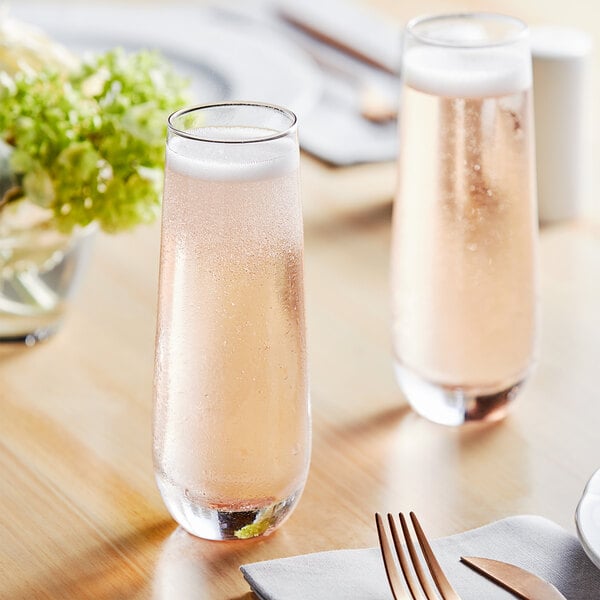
40	268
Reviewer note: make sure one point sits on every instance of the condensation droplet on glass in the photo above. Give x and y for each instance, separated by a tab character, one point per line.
476	167
472	247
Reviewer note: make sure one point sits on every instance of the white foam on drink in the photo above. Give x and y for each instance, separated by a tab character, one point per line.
211	160
467	72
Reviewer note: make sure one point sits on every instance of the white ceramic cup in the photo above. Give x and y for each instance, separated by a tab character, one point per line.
561	85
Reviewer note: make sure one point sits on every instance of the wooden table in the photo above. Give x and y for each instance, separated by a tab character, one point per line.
81	517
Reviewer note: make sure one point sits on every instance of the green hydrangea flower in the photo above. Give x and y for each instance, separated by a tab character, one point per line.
88	144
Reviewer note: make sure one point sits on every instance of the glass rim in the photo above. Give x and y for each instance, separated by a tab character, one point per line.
252	140
521	32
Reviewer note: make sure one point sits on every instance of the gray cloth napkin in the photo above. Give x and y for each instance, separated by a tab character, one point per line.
531	542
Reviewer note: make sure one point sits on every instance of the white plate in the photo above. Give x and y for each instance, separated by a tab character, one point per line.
226	59
587	519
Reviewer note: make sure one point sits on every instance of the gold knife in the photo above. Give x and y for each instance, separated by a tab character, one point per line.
520	582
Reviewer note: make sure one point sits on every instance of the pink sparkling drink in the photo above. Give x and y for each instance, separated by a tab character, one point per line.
464	251
231	420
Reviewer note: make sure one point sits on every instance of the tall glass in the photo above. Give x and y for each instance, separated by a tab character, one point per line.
464	266
231	418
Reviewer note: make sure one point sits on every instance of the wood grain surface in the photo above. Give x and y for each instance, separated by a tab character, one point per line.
80	514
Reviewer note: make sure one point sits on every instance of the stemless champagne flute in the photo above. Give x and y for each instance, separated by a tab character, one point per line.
231	416
464	259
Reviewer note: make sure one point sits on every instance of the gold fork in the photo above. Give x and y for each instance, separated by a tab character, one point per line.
420	588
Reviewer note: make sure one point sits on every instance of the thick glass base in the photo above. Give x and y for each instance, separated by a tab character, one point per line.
230	522
454	405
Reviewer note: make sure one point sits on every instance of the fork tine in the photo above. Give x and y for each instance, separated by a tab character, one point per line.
388	562
441	581
412	584
425	584
416	591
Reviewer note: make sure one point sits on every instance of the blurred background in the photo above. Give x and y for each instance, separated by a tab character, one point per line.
335	62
